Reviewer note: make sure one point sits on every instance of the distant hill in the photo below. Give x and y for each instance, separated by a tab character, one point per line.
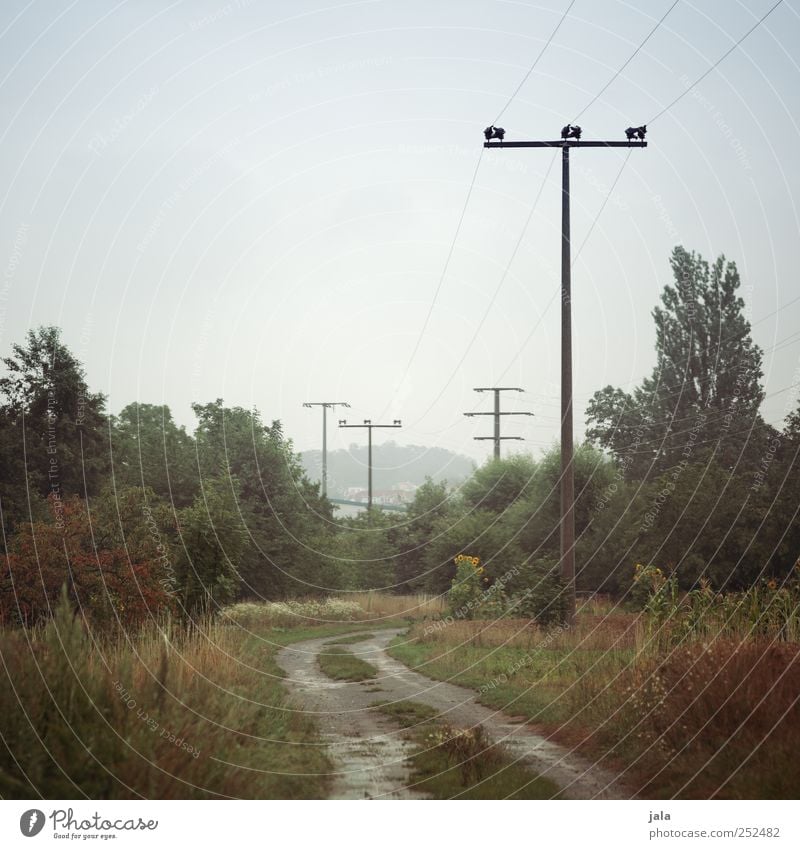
391	464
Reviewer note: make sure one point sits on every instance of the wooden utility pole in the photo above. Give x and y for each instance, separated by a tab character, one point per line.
369	426
326	405
570	138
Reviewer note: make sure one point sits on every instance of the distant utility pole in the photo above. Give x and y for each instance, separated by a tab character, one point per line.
326	405
570	137
369	426
497	438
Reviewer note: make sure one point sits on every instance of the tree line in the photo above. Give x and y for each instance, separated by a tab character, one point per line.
133	514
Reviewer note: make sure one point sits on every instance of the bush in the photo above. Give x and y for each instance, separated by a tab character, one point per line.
279	614
538	592
468	588
109	576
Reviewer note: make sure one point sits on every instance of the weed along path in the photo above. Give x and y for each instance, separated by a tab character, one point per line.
370	749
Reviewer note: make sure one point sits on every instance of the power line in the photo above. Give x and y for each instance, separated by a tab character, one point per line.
444	269
675	392
659	115
535	62
721	59
533	208
469	195
713	421
627	61
496	292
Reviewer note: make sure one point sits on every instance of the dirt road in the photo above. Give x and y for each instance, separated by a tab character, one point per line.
369	749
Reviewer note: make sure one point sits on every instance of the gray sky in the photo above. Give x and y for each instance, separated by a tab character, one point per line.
256	200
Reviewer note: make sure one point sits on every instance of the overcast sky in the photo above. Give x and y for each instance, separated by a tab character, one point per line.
257	200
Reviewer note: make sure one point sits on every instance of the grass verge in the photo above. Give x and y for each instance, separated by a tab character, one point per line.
163	713
693	721
342	665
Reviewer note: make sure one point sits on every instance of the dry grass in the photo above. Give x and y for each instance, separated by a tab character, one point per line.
355	607
379	606
616	631
163	713
706	718
726	716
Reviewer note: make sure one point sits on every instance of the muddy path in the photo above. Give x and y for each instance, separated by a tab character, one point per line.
369	750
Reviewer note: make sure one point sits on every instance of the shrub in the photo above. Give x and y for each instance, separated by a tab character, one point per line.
468	587
538	592
108	576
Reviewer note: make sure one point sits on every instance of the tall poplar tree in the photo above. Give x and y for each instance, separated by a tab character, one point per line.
705	391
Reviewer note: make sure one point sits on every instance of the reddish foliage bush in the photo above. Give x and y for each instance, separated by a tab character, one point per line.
730	688
108	578
728	712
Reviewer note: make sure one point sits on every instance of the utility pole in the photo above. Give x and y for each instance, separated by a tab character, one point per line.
497	438
326	405
570	138
369	426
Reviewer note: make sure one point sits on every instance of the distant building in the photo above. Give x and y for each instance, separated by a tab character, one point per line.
401	493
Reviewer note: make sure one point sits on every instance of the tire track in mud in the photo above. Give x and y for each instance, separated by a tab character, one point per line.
369	749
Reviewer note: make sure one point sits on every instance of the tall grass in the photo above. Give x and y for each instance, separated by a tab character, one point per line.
168	711
698	695
382	606
163	713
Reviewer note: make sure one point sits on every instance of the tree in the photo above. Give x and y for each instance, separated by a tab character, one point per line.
497	484
213	538
51	419
287	521
428	514
110	576
149	449
705	391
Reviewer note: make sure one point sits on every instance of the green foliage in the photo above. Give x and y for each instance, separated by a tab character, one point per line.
149	449
288	524
52	427
537	592
468	588
766	609
498	484
341	664
705	389
361	555
213	539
